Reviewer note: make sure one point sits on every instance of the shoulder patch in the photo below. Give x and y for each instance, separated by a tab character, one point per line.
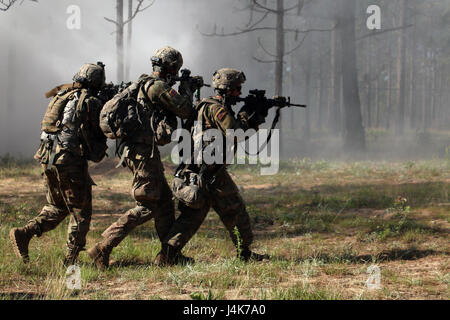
173	92
220	114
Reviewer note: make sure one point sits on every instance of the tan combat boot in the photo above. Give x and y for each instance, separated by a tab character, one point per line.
20	239
100	255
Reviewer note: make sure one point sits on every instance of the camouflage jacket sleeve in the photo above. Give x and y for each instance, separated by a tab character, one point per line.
162	94
224	120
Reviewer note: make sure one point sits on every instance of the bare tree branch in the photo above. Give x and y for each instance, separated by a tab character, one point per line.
256	3
250	18
110	20
298	46
242	31
264	7
287	53
264	49
257	22
265	61
292	8
215	34
136	11
372	34
6	4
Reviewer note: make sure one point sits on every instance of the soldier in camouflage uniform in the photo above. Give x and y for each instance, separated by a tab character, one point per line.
141	155
217	188
70	137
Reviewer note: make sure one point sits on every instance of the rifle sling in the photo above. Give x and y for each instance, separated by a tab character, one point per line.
274	123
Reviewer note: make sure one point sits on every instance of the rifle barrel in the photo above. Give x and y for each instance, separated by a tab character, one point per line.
297	105
181	79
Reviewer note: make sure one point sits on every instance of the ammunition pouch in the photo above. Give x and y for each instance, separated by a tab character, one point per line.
47	152
188	189
162	125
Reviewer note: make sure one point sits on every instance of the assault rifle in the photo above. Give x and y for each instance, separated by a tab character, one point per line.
109	90
194	81
260	105
257	97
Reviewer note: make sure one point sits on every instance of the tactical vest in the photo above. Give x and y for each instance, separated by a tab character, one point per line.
202	124
162	122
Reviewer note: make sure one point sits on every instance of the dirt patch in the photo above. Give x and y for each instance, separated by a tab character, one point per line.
106	167
265	186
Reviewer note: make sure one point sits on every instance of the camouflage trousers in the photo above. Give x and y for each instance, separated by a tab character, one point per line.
153	200
69	191
224	198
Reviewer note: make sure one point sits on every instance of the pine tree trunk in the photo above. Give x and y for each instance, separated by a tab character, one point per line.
332	92
291	91
279	49
425	79
338	84
377	103
308	70
119	40
412	89
129	37
434	81
369	84
388	109
10	94
354	135
319	92
413	94
401	72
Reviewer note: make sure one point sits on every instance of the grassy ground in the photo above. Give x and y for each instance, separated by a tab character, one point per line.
323	223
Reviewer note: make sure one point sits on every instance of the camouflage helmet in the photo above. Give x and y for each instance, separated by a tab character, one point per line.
227	79
168	58
91	75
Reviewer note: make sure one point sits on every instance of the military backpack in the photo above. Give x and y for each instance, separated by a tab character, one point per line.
125	113
120	116
62	117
